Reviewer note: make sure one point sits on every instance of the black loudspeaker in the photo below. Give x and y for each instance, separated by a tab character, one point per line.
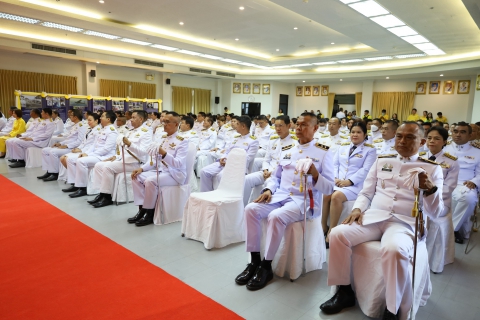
217	100
93	73
167	81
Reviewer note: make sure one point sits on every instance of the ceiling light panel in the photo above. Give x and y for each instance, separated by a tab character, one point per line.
434	52
379	58
388	21
349	1
209	56
280	67
61	26
100	34
231	61
192	53
350	61
140	43
301	65
167	48
18	18
415	39
403	31
324	63
407	56
369	8
426	46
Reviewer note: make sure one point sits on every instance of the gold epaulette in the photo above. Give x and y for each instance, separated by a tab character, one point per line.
272	127
422	153
144	129
274	137
387	156
164	135
345	143
344	137
369	145
213	129
475	144
80	124
324	136
288	147
449	142
295	138
237	136
112	128
180	138
322	146
449	156
193	132
428	161
377	140
98	129
253	137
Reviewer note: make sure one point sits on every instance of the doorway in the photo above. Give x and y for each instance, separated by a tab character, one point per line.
283	104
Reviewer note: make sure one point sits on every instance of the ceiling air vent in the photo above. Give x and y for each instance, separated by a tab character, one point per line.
225	74
53	49
149	63
200	71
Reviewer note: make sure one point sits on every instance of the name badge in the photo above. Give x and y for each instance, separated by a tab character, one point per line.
359	155
387	167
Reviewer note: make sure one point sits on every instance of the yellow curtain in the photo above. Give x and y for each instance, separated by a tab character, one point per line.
358	103
11	80
331	100
400	103
182	100
202	100
118	88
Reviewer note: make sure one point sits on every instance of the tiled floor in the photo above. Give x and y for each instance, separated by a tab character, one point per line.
456	292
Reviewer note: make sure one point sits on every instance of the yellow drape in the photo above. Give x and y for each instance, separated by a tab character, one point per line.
358	103
182	100
400	103
331	100
11	80
118	88
202	100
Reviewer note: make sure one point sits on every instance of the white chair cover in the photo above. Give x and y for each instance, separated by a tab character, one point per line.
176	196
216	218
33	157
440	242
62	173
90	187
347	209
289	258
119	193
369	285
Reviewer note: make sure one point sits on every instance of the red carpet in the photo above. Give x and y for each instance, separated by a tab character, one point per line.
54	267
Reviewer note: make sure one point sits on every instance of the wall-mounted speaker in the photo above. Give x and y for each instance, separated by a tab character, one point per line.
93	73
217	100
167	81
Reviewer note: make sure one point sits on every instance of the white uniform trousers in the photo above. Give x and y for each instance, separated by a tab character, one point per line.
397	249
51	158
16	148
464	201
145	188
257	164
55	139
77	169
261	153
251	181
202	160
207	175
104	174
279	215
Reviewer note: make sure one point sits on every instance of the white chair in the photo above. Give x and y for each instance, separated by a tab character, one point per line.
172	199
216	218
440	242
90	187
33	157
119	194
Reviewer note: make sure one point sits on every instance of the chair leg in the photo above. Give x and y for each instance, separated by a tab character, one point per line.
473	218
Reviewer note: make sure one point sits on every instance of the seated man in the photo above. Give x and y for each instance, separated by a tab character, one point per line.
170	157
38	137
244	141
186	131
58	123
208	137
51	155
386	145
9	125
282	201
263	133
67	126
102	149
222	145
385	220
121	125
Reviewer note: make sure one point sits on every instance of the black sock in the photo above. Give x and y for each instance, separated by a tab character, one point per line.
256	259
107	196
140	208
348	287
267	264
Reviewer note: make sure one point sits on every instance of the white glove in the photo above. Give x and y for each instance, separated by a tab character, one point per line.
303	165
153	149
120	140
412	180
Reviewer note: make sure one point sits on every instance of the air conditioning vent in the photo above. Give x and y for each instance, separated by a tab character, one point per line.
200	71
225	74
149	63
53	49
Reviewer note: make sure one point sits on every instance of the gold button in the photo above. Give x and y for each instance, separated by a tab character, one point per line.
394	198
295	172
291	193
397	187
393	211
293	183
300	151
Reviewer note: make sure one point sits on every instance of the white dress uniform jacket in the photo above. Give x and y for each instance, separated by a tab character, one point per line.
190	135
41	134
8	126
385	147
33	123
263	137
207	139
198	126
59	126
333	142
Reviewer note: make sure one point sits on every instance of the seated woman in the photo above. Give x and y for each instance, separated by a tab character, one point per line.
351	164
18	128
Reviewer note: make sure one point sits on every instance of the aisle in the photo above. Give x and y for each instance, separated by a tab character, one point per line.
55	267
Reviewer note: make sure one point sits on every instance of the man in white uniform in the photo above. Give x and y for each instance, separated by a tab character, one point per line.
9	125
170	157
135	144
263	133
58	123
382	211
67	126
282	200
386	145
186	130
103	148
334	139
465	195
198	126
207	140
375	133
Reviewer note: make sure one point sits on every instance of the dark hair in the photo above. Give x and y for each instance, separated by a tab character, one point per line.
439	113
55	111
464	124
95	116
18	113
420	120
173	114
141	113
312	115
78	113
477	123
13	108
221	118
294	120
130	112
48	110
188	120
245	120
383	110
414	109
209	119
427	124
420	128
334	118
322	121
441	131
285	119
110	115
1	114
394	123
367	120
362	126
201	113
379	120
37	112
262	118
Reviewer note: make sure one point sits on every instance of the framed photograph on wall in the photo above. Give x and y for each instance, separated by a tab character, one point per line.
478	82
266	89
246	88
421	88
325	90
463	87
315	90
237	87
299	91
448	87
256	88
307	91
434	87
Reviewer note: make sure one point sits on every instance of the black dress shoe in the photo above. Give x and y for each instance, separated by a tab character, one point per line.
97	199
247	274
344	298
12	160
18	164
387	315
79	193
458	237
146	219
106	201
260	279
71	189
44	176
327	245
138	216
51	177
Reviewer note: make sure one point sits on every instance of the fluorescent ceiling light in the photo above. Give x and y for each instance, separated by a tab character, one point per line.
208	56
349	1
379	58
261	67
434	52
426	46
61	26
280	67
100	34
231	61
350	61
18	18
247	64
141	43
388	21
406	56
415	39
159	46
324	63
192	53
301	65
369	8
403	31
